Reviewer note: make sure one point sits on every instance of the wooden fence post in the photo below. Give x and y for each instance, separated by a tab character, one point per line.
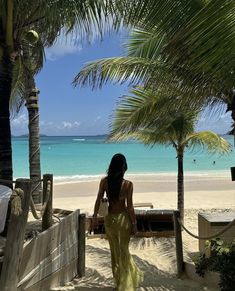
48	212
179	244
81	245
15	240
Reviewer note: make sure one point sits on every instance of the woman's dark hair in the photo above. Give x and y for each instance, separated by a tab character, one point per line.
116	170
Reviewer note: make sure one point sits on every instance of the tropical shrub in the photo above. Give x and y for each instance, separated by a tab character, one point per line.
221	260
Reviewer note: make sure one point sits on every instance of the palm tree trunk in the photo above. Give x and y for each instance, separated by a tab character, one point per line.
233	118
6	171
34	141
180	183
231	107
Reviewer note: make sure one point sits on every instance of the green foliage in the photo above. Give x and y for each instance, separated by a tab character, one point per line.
222	260
147	115
188	43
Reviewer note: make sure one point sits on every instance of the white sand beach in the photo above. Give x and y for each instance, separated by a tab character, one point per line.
155	256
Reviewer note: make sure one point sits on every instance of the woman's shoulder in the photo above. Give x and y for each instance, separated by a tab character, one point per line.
128	182
103	180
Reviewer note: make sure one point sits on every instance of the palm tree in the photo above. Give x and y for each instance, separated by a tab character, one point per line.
184	46
34	139
176	129
48	18
24	91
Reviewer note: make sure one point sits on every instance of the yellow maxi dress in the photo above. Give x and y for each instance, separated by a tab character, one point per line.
127	275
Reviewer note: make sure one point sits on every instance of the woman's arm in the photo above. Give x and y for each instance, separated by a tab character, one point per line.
130	207
100	195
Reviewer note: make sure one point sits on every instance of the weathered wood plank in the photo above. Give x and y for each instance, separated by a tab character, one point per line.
178	244
15	240
48	267
81	244
44	244
63	247
143	204
62	211
56	279
167	233
47	215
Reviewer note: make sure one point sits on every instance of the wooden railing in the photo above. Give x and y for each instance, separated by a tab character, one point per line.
55	256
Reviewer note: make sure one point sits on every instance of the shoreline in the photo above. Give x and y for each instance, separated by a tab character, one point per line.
60	180
201	191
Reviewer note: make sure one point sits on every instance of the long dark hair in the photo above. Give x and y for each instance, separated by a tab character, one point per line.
115	173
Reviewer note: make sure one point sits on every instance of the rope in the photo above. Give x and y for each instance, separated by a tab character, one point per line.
33	207
7	181
14	181
210	236
47	197
57	217
16	197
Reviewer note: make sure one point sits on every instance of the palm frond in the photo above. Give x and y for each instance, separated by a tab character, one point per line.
210	141
134	111
207	43
168	16
29	61
18	88
142	116
193	39
145	44
152	110
122	69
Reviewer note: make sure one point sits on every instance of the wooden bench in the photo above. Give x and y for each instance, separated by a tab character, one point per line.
150	223
144	205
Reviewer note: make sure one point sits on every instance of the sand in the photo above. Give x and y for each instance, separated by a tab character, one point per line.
155	256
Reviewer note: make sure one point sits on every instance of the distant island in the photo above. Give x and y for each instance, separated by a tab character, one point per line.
27	135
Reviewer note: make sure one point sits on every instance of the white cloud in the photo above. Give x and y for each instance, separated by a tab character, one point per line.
63	46
218	123
97	118
19	126
20	121
69	125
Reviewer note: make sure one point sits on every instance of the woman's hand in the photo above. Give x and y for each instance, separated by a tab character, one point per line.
134	229
94	223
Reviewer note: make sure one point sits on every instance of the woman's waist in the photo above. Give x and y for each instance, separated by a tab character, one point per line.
116	218
122	212
116	210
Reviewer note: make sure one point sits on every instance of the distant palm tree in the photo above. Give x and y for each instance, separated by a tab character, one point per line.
176	129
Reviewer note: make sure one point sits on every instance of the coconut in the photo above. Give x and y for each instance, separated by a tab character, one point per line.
32	36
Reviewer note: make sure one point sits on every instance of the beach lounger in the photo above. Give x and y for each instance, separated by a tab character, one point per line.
150	223
143	205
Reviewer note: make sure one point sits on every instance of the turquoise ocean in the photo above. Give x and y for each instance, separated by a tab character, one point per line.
85	157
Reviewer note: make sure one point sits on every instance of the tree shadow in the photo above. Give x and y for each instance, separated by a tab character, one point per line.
99	277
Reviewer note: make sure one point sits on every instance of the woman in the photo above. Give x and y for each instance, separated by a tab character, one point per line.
120	223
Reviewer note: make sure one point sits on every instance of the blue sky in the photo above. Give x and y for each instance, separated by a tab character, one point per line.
65	110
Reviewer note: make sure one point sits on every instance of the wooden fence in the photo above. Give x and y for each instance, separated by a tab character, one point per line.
51	258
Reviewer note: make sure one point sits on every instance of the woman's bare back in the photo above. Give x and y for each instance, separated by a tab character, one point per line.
121	204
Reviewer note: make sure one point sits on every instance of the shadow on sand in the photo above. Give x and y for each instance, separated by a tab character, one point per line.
99	277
